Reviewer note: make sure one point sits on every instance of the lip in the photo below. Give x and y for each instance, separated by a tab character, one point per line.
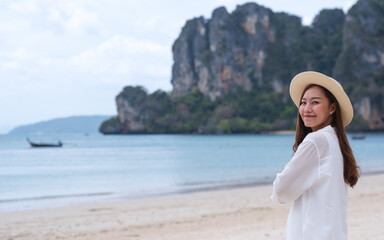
309	116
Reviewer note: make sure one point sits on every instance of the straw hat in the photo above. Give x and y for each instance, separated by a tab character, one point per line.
302	80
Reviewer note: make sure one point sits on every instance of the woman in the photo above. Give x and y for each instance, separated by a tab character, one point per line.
323	164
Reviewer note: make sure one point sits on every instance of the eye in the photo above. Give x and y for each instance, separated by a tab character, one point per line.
302	102
315	102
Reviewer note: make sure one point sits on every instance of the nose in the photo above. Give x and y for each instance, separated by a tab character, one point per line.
308	108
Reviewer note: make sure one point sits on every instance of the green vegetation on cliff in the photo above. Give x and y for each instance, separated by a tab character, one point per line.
257	110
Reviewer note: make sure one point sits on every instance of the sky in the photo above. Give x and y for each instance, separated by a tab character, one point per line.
70	58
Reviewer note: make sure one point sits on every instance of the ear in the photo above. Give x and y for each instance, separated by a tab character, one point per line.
332	108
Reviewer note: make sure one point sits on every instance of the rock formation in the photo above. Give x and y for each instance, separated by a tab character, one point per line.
223	53
253	53
360	66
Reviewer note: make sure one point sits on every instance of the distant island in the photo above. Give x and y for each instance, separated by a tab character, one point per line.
231	72
75	124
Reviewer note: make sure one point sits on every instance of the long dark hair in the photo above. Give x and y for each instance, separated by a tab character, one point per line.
351	170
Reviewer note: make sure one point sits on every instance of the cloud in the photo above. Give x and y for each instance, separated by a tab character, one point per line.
71	17
125	58
23	7
54	16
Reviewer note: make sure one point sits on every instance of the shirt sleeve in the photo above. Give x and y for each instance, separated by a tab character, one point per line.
298	175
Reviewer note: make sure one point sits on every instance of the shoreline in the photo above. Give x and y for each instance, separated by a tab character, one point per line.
240	213
106	197
110	197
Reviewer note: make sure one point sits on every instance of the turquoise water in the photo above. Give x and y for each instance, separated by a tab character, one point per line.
103	168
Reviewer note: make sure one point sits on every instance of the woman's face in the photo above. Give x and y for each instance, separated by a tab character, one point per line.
315	109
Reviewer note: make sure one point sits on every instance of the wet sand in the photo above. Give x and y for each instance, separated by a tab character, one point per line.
243	213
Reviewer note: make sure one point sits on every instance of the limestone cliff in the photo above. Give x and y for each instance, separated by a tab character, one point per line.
223	53
250	47
139	112
360	66
231	72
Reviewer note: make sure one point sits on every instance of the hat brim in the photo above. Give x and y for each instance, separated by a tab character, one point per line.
302	80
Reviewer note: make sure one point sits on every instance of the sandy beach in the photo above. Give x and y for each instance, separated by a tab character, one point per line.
244	213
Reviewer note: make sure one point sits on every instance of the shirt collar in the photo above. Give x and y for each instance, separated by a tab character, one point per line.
327	128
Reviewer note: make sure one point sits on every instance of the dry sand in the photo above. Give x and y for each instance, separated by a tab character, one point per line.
245	213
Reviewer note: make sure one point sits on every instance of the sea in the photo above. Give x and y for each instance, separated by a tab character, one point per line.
99	168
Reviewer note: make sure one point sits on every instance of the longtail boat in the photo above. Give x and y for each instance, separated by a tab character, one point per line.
58	144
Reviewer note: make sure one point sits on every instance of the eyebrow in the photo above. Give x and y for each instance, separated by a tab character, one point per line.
311	98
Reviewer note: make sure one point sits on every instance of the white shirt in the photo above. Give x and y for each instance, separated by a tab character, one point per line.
314	180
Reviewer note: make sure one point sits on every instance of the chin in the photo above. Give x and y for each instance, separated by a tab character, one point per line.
308	125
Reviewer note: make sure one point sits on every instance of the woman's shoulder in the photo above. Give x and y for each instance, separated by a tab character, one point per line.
319	138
